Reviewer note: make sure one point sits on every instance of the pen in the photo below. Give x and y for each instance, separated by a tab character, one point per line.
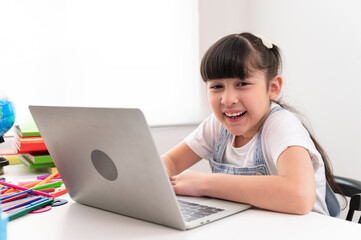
29	208
23	188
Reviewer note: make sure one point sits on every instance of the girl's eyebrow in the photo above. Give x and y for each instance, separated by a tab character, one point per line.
244	80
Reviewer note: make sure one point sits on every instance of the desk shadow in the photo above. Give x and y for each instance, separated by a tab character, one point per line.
84	222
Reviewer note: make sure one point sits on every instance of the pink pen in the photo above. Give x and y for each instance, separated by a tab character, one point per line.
23	188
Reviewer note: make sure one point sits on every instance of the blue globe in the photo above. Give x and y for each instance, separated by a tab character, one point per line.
7	116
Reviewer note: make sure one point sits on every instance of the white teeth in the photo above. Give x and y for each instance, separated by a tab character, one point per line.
233	114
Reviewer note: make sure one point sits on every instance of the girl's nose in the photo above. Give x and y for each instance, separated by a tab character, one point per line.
229	97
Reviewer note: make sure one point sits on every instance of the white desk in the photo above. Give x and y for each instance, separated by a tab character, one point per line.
76	221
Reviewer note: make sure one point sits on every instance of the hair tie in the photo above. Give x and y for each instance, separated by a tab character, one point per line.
266	42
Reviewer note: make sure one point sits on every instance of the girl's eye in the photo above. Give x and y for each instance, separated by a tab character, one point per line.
242	84
217	86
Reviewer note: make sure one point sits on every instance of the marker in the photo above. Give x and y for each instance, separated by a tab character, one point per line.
23	188
29	208
47	190
59	193
48	185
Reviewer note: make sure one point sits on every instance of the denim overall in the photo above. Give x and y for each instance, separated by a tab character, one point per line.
259	166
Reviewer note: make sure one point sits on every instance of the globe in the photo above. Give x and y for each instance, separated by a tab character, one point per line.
7	116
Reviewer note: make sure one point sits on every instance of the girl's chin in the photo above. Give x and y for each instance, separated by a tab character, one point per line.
234	131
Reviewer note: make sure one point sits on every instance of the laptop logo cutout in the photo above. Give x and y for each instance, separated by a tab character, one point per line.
104	165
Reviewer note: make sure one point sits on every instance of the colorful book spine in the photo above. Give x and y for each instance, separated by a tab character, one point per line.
29	144
28	129
31	165
38	158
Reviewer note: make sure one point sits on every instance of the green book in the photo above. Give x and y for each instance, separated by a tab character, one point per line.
31	165
38	158
26	129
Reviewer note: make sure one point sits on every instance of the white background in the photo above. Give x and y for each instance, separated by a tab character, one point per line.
321	45
320	41
102	53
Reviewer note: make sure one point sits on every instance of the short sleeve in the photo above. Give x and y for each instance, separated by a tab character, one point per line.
282	130
202	139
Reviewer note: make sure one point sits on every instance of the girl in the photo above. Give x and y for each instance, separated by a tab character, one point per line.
260	153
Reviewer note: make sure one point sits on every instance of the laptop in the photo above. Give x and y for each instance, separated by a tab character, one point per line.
108	160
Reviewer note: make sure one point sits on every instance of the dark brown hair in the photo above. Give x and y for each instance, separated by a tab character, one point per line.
237	56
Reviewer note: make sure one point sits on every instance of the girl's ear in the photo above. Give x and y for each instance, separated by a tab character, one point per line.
275	87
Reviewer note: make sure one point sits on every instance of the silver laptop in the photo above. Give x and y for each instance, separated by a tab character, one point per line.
108	160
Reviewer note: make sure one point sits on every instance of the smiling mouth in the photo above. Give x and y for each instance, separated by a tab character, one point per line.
235	115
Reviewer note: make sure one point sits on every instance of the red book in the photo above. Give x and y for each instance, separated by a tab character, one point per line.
29	144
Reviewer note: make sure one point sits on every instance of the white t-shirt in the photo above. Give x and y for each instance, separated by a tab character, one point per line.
281	130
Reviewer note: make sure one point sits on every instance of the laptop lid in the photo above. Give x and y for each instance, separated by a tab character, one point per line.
108	160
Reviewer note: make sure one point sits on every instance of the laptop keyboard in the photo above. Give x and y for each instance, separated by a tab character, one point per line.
192	211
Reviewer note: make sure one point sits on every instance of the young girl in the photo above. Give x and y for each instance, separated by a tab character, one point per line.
260	153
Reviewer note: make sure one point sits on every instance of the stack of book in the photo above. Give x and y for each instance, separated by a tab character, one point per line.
30	146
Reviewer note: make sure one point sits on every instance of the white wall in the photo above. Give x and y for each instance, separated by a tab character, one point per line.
102	53
321	45
166	138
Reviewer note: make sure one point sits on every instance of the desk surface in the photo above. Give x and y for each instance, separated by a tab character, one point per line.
76	221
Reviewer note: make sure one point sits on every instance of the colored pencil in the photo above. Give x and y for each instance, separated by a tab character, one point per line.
23	188
22	204
48	178
5	205
16	194
29	208
29	185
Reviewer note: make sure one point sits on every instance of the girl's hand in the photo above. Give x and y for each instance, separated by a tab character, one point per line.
190	183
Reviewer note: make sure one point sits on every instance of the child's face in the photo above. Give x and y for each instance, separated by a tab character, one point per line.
241	105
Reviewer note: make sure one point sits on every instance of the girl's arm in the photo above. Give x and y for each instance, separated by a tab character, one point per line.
179	158
293	190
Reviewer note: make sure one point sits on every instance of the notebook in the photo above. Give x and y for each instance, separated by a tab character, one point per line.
108	160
